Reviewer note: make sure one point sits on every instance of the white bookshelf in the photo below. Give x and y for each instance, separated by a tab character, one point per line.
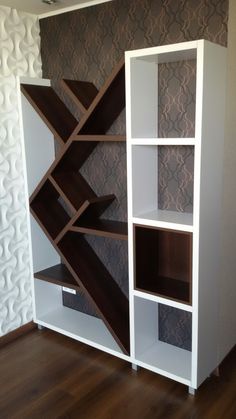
203	224
194	256
48	308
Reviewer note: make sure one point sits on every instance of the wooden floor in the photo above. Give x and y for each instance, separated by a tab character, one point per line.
46	375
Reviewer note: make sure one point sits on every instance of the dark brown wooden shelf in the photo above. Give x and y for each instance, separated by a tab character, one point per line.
94	207
51	109
105	228
64	201
81	92
74	187
58	275
49	210
107	105
163	263
170	288
99	286
100	138
74	157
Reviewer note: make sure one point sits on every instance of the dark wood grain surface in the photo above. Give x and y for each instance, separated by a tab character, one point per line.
44	375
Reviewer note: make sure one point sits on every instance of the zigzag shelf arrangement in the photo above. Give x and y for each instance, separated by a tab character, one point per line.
64	204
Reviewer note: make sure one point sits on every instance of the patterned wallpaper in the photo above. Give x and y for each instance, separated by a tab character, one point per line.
88	44
19	56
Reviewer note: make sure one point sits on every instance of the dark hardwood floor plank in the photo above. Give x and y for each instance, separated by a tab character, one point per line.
44	375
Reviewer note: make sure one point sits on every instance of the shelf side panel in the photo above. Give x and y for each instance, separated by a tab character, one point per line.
206	298
144	178
40	154
144	98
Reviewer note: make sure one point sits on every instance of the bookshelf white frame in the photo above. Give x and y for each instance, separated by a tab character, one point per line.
189	368
204	223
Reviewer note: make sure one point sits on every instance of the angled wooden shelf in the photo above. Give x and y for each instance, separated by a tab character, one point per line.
51	109
74	187
99	286
59	275
87	220
107	105
81	92
100	138
95	207
66	207
104	228
49	211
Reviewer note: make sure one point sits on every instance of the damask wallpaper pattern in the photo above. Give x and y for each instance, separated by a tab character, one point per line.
19	56
88	44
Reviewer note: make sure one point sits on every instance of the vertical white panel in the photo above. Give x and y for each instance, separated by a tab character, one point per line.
145	323
210	249
40	154
227	325
144	179
144	105
48	297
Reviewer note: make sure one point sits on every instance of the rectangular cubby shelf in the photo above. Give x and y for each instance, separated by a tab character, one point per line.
51	313
146	190
163	263
152	108
153	353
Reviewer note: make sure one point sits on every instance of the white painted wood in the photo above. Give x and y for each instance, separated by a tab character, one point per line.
167	360
146	324
227	315
166	53
144	179
163	141
40	154
36	81
173	220
144	105
210	210
51	313
129	202
162	300
149	351
43	10
205	223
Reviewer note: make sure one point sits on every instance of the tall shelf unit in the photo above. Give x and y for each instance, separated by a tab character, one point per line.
66	208
174	256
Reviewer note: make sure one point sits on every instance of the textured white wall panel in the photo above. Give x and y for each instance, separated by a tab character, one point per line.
19	56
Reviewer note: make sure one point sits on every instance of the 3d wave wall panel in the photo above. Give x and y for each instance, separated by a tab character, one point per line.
19	56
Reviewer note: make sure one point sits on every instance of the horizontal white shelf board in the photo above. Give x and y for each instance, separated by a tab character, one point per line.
162	141
82	327
36	81
162	300
167	53
174	220
167	360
